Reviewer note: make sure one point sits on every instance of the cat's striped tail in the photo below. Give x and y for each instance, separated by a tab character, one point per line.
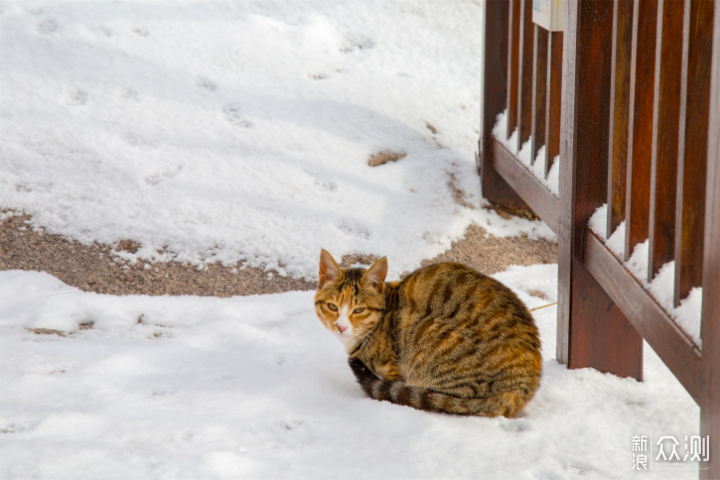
508	403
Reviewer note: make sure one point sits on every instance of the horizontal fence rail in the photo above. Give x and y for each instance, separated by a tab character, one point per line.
633	88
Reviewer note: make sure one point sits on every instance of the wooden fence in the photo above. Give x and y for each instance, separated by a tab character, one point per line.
628	96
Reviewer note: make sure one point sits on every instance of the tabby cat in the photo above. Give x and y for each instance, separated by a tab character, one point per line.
444	339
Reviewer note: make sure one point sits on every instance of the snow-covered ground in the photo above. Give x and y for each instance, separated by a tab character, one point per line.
241	130
255	387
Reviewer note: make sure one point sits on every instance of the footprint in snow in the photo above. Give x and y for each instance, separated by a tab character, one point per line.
285	360
354	230
206	84
165	390
158	177
130	94
357	42
234	116
516	426
141	32
47	27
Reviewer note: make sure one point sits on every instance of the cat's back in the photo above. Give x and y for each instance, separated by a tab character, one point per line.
451	313
453	290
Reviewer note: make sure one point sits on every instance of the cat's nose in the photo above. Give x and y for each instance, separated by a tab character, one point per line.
342	329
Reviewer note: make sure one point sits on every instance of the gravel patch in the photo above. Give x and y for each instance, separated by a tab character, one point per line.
93	268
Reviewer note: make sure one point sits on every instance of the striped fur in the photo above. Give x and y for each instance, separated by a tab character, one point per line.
445	339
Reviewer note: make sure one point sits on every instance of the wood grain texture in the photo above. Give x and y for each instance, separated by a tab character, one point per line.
539	89
513	64
554	98
692	145
666	124
544	203
592	330
567	116
600	335
642	78
619	110
669	341
494	90
525	73
710	330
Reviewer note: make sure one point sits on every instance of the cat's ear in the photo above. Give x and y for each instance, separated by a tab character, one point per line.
375	276
329	269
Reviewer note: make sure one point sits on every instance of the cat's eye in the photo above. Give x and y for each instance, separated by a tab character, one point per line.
332	307
359	310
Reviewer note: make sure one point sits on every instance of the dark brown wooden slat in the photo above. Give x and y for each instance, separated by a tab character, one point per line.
513	65
672	345
544	203
554	100
539	89
692	149
642	78
494	89
525	90
710	327
619	108
666	124
592	330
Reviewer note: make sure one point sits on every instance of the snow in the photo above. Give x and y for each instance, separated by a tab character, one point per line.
598	221
240	131
537	168
255	387
688	314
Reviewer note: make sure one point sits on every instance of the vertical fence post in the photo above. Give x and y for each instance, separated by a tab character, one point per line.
525	74
592	331
640	122
692	145
513	62
554	99
710	327
495	67
619	110
539	90
665	133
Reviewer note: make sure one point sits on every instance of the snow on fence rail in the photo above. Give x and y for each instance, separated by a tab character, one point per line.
650	154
